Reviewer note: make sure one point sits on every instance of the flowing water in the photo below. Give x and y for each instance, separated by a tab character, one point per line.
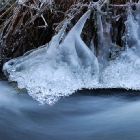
85	115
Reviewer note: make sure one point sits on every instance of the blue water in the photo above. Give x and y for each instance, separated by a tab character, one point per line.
86	115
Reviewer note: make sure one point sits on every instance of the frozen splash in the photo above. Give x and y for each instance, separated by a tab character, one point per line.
66	64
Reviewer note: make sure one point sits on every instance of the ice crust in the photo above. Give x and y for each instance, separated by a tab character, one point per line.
59	69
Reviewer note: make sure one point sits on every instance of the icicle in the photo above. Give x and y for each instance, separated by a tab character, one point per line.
137	16
80	24
33	57
92	47
75	51
103	44
114	27
132	28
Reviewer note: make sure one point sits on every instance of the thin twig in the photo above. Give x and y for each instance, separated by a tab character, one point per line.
12	6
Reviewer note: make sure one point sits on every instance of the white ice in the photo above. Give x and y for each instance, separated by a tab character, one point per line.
59	69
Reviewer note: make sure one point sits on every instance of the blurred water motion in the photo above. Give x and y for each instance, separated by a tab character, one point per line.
86	115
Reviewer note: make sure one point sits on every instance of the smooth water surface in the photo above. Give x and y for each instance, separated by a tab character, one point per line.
85	115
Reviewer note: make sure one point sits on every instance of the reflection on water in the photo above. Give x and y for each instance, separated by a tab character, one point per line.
86	115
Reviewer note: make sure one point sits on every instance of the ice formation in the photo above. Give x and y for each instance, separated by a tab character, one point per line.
66	65
56	69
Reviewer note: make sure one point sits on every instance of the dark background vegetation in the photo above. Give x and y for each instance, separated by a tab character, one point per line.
27	26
